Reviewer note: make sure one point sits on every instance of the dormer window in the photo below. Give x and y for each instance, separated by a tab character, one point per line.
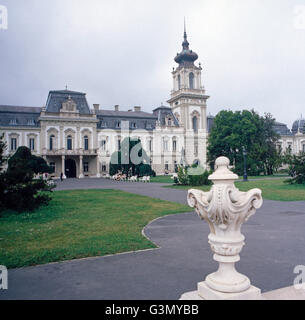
31	122
118	124
133	125
103	124
13	122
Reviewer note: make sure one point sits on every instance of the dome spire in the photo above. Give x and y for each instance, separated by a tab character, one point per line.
185	43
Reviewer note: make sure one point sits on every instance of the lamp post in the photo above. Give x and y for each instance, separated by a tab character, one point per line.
245	164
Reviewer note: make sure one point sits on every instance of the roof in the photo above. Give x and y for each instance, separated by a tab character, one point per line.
162	113
19	109
281	129
57	98
125	114
137	120
298	125
15	116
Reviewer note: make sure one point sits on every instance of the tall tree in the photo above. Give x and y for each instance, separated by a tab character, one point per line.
233	131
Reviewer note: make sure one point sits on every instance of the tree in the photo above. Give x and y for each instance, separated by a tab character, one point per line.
131	159
234	130
19	191
297	169
3	159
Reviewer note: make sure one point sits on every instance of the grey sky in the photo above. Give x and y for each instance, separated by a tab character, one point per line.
122	51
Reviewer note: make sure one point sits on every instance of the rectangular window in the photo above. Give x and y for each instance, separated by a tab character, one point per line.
69	143
119	144
32	144
150	145
174	145
86	143
13	144
103	145
165	145
86	167
166	166
104	167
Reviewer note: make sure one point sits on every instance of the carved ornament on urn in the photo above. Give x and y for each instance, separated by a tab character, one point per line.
225	209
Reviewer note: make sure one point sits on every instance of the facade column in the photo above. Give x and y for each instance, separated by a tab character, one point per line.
81	168
63	158
98	174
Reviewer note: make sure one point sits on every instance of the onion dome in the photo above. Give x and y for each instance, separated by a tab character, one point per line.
298	126
186	56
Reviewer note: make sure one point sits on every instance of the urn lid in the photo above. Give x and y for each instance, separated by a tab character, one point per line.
222	171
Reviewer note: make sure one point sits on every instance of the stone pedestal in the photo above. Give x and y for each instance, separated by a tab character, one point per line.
225	209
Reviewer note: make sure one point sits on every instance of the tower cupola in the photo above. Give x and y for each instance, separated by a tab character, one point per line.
186	56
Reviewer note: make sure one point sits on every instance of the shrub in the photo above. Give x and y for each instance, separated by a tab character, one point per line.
200	179
18	190
193	176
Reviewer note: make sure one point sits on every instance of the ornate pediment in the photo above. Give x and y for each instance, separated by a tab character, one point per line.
69	106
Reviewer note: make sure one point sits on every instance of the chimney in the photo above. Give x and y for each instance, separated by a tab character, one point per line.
137	109
96	107
116	107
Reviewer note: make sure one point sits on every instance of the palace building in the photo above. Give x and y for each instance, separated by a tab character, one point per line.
78	141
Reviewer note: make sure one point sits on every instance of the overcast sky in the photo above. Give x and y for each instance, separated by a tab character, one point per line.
122	51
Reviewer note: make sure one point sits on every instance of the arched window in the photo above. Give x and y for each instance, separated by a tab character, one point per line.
86	143
179	82
51	142
191	78
195	124
69	143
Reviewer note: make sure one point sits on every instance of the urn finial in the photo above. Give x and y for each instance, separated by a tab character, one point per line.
225	209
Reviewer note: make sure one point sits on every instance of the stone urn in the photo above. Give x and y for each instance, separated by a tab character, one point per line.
225	209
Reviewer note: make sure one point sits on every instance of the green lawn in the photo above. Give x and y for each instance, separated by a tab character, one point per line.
80	224
273	189
162	179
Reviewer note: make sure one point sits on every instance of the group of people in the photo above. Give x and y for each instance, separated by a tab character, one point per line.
123	177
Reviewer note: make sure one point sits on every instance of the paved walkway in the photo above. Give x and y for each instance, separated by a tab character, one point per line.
154	190
274	246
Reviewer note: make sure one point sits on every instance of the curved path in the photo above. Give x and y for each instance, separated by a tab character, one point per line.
274	246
